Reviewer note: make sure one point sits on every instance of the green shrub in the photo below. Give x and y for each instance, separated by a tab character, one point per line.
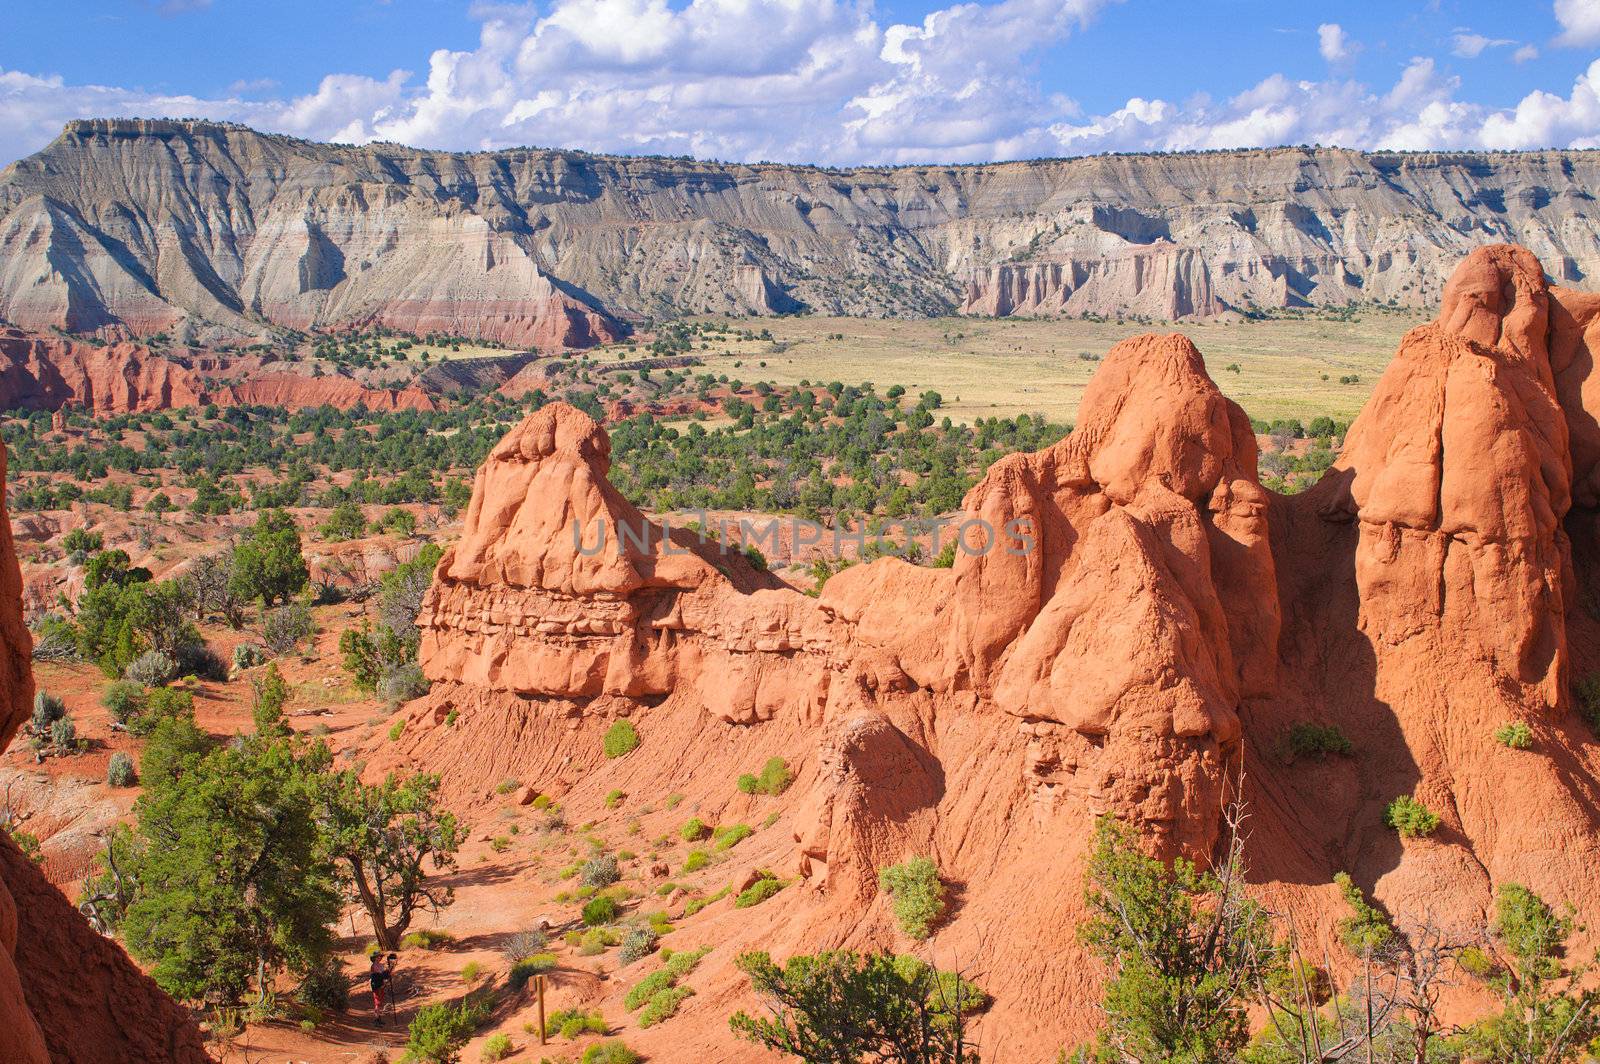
1317	741
528	967
1410	817
610	1052
918	895
541	802
471	971
694	830
600	871
1515	734
748	783
505	786
592	943
600	910
1366	929
663	1005
614	799
1586	697
325	987
696	904
439	1031
397	729
696	860
426	940
120	771
64	735
498	1047
622	738
647	988
775	777
759	891
124	700
47	709
730	836
575	1023
673	801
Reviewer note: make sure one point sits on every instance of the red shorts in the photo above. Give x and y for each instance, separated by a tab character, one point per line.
377	1000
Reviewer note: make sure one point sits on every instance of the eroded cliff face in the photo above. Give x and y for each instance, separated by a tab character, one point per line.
51	372
67	995
1143	630
201	229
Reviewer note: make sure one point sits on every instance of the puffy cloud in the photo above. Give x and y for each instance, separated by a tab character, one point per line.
1580	22
1525	54
1334	44
819	81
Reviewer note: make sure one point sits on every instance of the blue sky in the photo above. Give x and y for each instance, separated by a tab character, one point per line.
820	80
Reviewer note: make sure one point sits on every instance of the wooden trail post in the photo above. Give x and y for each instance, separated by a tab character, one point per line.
538	988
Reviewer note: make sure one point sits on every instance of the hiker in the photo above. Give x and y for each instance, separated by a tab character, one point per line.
378	976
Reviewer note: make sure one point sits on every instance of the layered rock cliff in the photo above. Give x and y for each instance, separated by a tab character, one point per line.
1132	626
67	995
50	372
196	229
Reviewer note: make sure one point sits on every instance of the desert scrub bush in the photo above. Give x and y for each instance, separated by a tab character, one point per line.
120	771
500	843
637	944
772	818
522	944
599	910
694	905
1410	817
1366	930
325	987
673	800
726	838
497	1047
773	779
402	683
283	629
1514	734
426	940
663	979
575	1023
505	786
622	738
696	860
47	709
759	891
600	871
693	831
917	894
610	1052
124	700
249	655
471	971
397	729
1317	742
153	668
528	967
614	798
64	735
663	1005
439	1031
541	802
1586	697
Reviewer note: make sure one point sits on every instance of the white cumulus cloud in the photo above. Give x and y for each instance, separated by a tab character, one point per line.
1580	22
1334	44
823	81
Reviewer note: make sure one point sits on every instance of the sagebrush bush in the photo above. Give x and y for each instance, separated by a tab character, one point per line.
124	700
523	944
153	668
663	1005
402	684
1410	817
439	1031
64	734
249	655
696	860
47	709
622	738
637	944
917	894
600	871
611	1052
497	1047
120	771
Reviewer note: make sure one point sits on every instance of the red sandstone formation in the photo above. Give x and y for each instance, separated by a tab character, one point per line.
67	995
47	373
1169	625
